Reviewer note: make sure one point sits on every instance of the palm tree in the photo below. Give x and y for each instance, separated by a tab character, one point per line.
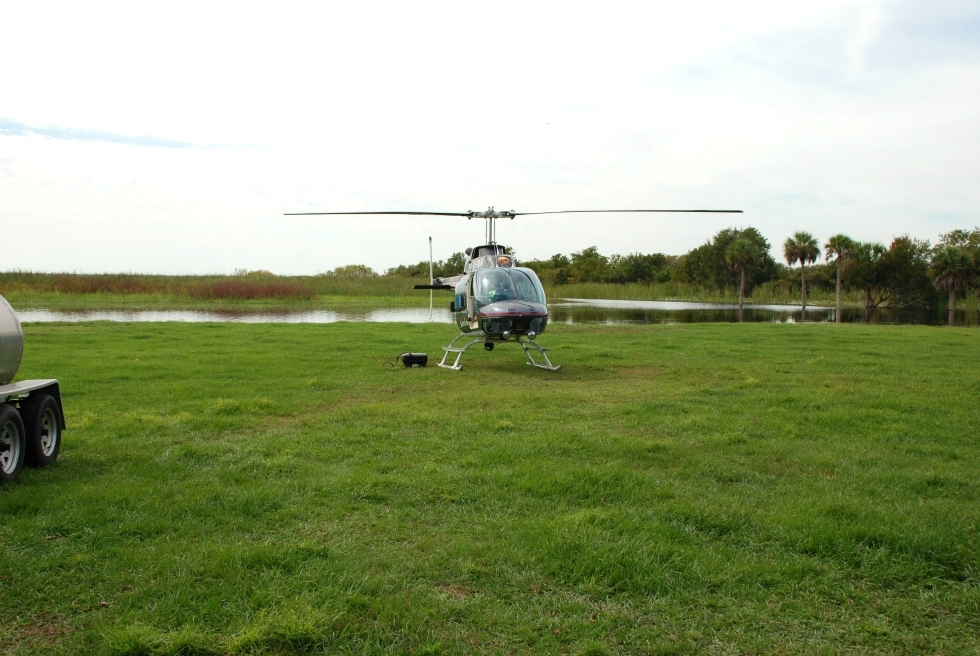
741	255
951	268
840	248
801	247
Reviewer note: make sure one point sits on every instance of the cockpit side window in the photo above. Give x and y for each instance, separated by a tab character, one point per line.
459	303
528	286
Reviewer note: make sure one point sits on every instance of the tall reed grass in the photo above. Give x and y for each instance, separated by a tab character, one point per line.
781	293
770	293
248	290
638	291
254	285
263	285
971	300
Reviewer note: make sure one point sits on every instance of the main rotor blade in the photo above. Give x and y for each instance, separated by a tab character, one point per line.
591	211
502	214
409	213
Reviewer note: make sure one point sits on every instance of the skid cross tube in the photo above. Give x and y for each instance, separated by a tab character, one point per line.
525	345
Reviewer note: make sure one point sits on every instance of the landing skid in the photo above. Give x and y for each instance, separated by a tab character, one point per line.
526	344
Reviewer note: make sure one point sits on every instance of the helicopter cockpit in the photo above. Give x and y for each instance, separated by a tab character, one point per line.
495	285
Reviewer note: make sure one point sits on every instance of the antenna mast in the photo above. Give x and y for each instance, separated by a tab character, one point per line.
432	280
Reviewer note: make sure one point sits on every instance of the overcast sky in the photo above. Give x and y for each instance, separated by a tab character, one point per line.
171	137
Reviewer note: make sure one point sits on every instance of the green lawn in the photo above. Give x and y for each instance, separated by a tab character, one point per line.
719	488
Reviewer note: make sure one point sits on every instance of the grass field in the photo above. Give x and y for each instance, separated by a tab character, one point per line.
720	488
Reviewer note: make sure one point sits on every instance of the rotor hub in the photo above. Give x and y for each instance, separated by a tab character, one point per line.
491	215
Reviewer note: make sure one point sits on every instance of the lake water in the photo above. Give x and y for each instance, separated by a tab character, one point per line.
567	311
619	312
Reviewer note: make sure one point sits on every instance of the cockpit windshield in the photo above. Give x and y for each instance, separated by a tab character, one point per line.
493	285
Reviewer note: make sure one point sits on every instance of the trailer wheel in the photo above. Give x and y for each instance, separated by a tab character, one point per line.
12	441
43	431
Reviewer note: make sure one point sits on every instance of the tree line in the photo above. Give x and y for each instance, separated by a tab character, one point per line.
909	272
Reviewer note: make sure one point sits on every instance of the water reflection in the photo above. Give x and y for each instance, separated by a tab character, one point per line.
581	310
618	312
568	311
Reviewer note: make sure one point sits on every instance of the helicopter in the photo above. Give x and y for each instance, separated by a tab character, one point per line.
495	300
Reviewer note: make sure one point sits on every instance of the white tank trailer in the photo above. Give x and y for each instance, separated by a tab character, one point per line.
31	415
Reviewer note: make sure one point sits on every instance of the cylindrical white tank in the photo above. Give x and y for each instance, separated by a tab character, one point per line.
11	342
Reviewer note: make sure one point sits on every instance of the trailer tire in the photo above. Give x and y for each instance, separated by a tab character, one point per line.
12	443
42	428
